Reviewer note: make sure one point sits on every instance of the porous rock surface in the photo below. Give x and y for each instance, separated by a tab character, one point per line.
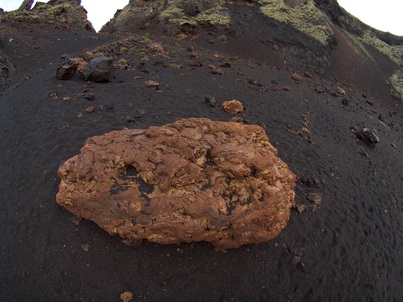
192	180
232	107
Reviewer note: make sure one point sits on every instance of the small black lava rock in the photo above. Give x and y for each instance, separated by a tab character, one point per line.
310	181
369	136
89	96
210	100
66	68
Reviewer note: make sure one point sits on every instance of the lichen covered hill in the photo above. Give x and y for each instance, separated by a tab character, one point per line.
65	13
302	33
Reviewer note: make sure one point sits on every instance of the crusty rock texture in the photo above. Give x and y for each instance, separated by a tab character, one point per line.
192	180
233	107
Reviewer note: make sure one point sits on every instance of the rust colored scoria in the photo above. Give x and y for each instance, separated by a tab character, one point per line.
233	107
192	180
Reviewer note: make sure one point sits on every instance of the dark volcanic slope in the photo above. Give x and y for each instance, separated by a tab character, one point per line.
345	249
348	248
30	49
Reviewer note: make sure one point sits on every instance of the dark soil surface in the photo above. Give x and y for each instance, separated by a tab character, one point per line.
346	248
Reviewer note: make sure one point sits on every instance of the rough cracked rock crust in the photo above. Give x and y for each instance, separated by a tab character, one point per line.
232	107
192	180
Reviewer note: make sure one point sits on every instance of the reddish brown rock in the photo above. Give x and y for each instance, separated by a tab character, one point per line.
225	65
237	119
296	77
233	107
90	109
309	74
300	208
156	47
192	180
196	64
341	91
126	296
82	64
53	95
152	84
159	49
88	55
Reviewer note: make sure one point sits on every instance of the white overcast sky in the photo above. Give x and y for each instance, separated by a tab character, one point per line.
385	15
